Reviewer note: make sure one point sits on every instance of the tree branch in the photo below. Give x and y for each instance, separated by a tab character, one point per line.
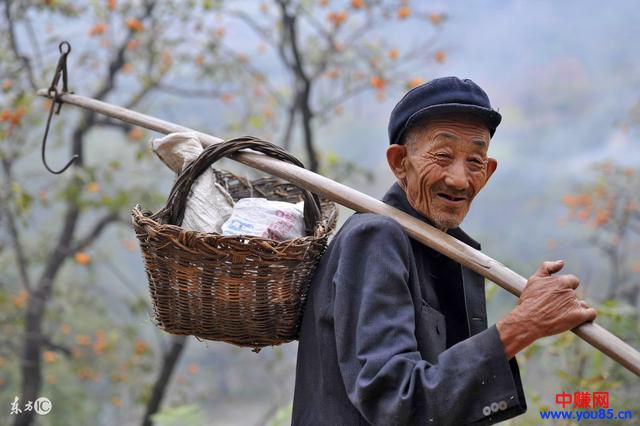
138	97
282	42
331	104
150	82
49	344
311	17
95	232
303	83
256	74
169	361
118	61
289	24
262	32
37	52
291	115
21	259
14	232
329	36
26	62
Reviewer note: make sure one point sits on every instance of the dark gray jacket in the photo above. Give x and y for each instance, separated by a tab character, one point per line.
372	343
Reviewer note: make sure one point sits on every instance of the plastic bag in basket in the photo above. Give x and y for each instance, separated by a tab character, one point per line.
259	217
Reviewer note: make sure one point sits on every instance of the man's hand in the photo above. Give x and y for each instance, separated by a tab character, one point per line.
548	305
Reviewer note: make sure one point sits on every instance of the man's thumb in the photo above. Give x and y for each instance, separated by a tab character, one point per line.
549	267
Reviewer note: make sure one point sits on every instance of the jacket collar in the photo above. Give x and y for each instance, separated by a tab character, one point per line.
396	197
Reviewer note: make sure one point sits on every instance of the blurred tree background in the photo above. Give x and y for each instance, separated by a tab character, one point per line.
318	77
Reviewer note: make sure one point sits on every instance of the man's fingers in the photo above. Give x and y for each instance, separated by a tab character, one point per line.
591	314
583	313
548	268
569	280
588	314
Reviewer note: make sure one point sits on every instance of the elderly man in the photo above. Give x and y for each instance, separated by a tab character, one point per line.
395	333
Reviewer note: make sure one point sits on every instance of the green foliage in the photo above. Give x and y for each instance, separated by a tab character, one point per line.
22	199
490	290
181	415
608	205
282	417
342	170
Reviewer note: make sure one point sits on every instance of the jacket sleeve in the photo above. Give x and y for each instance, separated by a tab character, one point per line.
384	374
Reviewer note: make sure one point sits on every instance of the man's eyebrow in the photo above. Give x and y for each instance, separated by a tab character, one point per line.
479	142
445	135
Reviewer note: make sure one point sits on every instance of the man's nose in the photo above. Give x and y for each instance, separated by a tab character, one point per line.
456	176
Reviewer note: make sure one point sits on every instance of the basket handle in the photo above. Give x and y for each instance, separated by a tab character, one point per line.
177	201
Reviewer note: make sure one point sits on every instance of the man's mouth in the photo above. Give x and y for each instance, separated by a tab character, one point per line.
451	199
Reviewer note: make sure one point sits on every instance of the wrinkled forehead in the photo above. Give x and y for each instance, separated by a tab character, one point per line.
462	130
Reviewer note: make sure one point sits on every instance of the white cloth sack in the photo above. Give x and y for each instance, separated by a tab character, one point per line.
259	217
209	205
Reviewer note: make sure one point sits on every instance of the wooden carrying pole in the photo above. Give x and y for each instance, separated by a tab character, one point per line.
471	258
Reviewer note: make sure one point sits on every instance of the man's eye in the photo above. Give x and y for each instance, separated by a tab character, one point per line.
443	156
476	163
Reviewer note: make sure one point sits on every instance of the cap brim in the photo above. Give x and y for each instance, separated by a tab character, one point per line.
491	117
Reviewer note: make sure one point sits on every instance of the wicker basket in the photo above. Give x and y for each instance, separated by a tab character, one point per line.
244	290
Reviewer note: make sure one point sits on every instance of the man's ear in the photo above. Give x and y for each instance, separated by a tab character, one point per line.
492	165
396	155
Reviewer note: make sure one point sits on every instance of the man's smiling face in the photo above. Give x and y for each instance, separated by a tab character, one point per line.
442	166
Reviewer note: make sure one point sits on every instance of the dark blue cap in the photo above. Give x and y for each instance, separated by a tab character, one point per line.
439	96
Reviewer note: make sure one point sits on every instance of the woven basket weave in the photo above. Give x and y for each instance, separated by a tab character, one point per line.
243	290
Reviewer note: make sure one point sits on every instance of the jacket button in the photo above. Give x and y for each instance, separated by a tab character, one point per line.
502	405
486	410
494	407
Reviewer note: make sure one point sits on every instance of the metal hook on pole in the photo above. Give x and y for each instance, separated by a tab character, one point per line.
61	72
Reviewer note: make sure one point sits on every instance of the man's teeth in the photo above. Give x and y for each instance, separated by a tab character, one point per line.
449	197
